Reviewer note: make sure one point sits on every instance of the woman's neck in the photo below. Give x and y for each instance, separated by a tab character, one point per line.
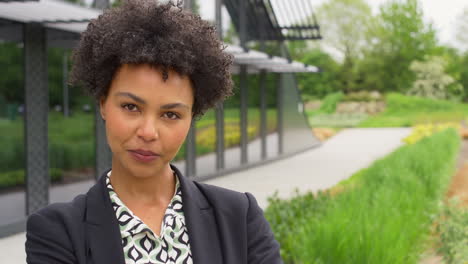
150	190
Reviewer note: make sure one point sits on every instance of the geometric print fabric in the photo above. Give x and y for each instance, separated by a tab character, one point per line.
141	245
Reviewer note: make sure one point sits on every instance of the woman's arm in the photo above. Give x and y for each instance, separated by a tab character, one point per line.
262	245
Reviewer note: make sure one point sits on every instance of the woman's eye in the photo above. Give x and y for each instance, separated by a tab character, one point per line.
172	115
130	107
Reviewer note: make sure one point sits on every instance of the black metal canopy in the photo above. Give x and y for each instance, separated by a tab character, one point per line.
275	19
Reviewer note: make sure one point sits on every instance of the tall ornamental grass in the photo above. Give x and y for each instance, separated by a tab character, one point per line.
382	215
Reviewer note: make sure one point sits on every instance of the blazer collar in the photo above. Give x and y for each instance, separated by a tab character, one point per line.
200	219
104	243
103	240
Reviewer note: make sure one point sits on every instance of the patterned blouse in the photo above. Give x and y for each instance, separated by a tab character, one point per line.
141	245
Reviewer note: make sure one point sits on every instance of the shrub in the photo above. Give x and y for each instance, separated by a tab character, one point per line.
421	131
382	215
330	102
17	177
453	231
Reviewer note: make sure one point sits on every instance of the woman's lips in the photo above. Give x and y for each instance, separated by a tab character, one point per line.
143	155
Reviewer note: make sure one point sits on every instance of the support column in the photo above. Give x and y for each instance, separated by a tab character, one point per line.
66	104
188	4
103	153
219	110
280	111
101	4
220	145
191	152
36	117
243	113
263	114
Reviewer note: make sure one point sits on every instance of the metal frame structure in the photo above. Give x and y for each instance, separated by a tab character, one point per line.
274	19
45	23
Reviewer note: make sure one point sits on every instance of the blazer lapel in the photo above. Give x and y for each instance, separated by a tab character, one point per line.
103	240
201	223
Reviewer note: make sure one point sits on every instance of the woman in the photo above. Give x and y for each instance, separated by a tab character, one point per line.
153	69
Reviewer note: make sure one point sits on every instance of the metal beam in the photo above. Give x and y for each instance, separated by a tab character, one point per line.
263	114
101	4
243	113
191	152
103	154
66	105
219	18
280	111
36	117
220	145
243	23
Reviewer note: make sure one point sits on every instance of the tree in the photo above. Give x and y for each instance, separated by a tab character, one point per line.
11	78
462	28
322	83
432	81
343	24
398	36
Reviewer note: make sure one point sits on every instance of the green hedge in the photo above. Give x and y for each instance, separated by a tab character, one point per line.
16	178
382	215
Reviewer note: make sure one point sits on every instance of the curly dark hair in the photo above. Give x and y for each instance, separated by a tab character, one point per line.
162	35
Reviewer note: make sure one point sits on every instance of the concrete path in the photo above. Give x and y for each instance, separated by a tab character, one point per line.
313	170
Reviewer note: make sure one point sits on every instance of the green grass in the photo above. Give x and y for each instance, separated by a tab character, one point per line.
382	215
404	111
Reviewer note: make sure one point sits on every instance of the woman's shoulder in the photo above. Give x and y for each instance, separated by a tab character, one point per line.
73	208
226	198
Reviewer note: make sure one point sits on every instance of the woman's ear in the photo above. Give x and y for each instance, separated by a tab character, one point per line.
102	110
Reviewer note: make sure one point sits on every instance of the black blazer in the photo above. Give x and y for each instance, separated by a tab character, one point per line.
224	226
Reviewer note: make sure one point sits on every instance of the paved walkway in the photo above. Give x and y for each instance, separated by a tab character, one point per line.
313	170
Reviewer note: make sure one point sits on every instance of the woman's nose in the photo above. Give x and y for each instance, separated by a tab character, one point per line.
148	130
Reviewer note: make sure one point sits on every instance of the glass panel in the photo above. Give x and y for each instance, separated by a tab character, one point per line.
12	167
179	159
206	143
253	127
71	138
272	115
232	127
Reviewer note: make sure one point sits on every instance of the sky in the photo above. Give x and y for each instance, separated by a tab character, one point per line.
442	14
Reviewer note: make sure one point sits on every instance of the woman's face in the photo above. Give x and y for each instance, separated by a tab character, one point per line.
147	118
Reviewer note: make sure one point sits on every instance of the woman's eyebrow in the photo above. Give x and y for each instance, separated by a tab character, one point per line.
174	105
134	97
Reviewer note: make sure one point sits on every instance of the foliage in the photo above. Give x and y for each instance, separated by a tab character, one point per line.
404	111
330	102
381	216
317	84
432	81
343	23
453	231
16	177
462	28
397	37
421	131
11	79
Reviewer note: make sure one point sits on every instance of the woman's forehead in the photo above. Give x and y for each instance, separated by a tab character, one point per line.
148	83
